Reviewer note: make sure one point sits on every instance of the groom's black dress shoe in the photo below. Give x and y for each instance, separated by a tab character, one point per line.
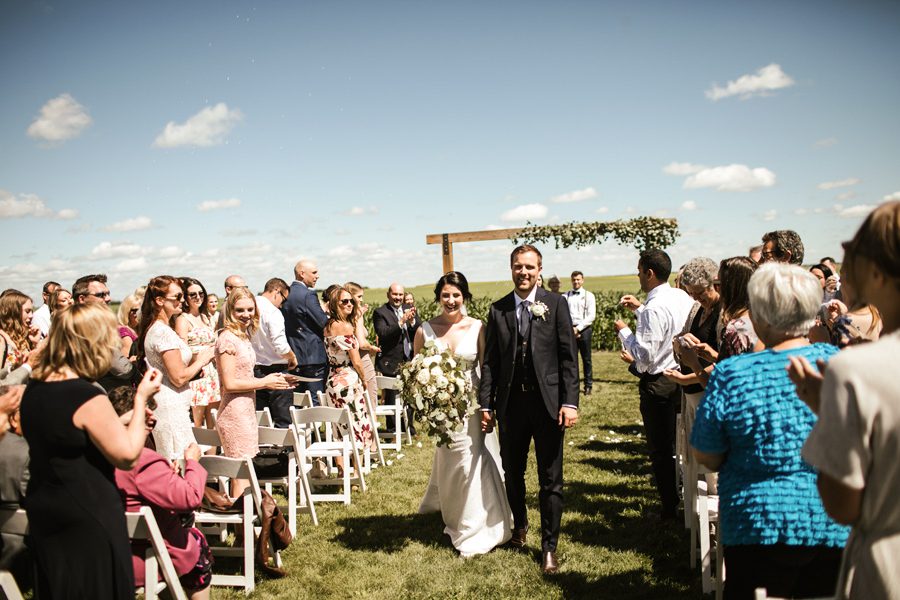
518	538
549	564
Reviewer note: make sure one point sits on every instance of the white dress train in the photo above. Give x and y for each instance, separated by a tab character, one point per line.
466	483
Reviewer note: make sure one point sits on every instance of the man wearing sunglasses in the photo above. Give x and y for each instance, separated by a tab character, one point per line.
92	289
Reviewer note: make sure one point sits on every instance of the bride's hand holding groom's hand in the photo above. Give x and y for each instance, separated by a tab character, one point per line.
487	421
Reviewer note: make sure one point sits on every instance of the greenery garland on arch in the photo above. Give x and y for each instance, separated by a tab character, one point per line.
641	232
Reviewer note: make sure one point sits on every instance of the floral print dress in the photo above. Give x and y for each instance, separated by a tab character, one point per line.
343	387
204	389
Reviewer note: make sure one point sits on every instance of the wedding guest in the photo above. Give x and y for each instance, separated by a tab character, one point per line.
128	319
170	494
77	525
583	310
14	475
697	279
344	387
540	281
395	327
784	246
853	445
659	319
235	359
844	325
326	295
212	307
18	336
554	284
826	280
304	322
835	272
273	353
60	299
42	315
232	282
165	351
750	426
408	299
366	349
194	326
92	289
755	253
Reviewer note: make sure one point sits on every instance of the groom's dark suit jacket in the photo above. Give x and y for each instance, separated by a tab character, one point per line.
553	348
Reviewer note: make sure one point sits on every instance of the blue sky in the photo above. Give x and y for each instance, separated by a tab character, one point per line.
210	138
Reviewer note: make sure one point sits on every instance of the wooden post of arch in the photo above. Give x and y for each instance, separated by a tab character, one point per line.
446	240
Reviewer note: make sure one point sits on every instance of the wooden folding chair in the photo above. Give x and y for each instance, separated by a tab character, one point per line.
142	527
329	448
296	476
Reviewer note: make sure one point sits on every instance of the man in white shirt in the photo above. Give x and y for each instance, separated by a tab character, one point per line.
582	309
659	319
41	317
273	353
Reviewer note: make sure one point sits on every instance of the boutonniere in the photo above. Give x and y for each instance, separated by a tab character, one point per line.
539	310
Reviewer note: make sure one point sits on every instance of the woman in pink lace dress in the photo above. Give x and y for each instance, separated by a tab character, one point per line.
237	424
195	327
344	386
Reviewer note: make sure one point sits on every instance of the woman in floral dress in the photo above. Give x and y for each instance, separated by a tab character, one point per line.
195	327
344	386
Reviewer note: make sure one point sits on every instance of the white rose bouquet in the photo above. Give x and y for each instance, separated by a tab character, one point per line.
437	385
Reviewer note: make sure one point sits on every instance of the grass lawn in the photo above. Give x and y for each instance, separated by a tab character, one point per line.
379	547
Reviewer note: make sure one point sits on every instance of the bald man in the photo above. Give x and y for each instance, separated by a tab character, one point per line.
395	325
304	325
232	282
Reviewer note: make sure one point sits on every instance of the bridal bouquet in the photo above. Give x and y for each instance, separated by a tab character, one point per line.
436	384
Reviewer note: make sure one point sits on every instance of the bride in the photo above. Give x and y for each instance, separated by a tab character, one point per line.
466	483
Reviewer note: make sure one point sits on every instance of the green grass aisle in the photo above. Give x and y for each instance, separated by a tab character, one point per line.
378	547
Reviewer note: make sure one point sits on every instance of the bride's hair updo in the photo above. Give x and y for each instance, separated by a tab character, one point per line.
457	280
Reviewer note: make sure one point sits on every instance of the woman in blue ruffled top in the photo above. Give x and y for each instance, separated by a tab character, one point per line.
750	427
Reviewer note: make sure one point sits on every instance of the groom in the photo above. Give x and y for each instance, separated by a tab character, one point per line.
530	380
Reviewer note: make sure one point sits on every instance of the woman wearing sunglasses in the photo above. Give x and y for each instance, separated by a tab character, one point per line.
128	319
195	327
164	350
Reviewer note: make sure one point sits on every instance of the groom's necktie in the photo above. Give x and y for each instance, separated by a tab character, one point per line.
524	319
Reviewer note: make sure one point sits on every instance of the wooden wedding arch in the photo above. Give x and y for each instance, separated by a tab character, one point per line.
640	232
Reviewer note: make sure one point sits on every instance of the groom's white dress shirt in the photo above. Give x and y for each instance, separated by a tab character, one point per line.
659	319
582	308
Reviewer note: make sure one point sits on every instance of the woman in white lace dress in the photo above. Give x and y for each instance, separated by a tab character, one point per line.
164	350
466	483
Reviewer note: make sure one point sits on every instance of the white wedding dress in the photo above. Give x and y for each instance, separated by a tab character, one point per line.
466	483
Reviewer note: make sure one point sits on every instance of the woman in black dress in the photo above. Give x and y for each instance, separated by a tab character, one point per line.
75	512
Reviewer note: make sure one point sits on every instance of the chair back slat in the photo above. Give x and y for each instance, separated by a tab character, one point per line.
303	399
386	383
207	437
264	418
273	436
321	414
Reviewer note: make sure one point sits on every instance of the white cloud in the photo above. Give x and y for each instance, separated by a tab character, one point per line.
130	265
17	206
105	250
359	211
682	169
845	196
62	118
764	81
801	211
207	128
575	196
208	205
135	224
688	205
830	185
602	210
525	212
770	215
890	197
853	212
170	252
731	178
825	143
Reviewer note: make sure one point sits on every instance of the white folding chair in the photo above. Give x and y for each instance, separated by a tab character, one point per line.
710	541
762	594
13	521
246	521
142	526
296	476
373	423
264	418
366	465
9	587
329	448
394	410
304	400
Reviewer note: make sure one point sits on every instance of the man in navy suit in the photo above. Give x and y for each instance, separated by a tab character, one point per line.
395	325
304	324
530	381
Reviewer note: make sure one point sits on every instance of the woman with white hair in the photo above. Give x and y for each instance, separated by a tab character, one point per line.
750	427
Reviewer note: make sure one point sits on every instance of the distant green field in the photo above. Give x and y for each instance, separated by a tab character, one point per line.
496	289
